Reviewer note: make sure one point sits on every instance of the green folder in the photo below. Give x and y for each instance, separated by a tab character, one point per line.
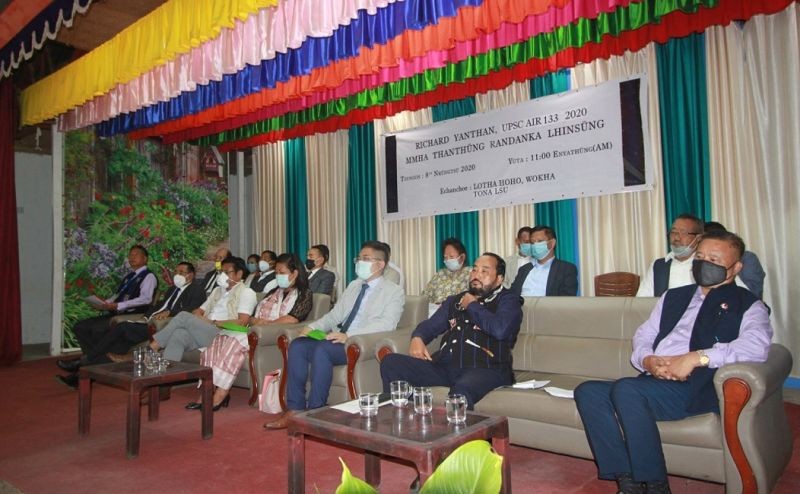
232	326
317	334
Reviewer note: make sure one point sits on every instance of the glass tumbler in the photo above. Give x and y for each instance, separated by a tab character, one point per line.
423	400
456	408
368	404
400	393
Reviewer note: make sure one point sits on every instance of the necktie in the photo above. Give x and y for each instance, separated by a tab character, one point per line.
346	325
172	299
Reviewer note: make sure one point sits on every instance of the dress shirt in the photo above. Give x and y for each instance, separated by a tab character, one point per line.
380	309
219	312
174	300
536	282
680	274
146	290
752	345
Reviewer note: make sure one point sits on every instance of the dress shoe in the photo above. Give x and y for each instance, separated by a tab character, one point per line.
69	365
193	405
222	404
627	485
658	487
281	422
70	381
116	357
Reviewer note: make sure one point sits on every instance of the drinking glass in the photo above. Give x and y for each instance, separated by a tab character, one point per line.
399	393
423	400
150	360
138	355
456	408
368	404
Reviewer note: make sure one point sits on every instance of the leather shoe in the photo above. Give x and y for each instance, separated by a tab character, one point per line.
71	381
281	422
193	405
69	365
116	357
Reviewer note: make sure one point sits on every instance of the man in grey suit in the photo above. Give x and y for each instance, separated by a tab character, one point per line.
545	275
320	280
370	304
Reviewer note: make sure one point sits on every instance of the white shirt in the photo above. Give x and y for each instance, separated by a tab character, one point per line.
247	302
680	274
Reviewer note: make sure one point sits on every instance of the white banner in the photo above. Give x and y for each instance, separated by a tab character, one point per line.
587	142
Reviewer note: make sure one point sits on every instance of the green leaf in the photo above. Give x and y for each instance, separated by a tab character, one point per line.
353	485
472	468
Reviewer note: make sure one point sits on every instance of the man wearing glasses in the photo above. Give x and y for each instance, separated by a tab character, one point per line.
675	269
230	301
369	304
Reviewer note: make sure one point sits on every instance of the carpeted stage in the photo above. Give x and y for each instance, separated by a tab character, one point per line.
41	452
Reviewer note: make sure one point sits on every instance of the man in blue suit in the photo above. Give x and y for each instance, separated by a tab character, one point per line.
545	275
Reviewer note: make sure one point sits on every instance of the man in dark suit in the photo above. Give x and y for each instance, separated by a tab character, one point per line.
545	275
320	280
210	279
186	294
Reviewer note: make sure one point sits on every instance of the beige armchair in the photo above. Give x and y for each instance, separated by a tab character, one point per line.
265	356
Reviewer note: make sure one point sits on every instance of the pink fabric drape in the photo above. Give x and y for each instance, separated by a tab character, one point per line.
11	329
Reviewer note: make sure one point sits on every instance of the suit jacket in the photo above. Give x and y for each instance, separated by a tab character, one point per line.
561	281
381	313
209	281
322	282
191	298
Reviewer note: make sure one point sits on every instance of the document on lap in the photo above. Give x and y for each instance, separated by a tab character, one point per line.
96	302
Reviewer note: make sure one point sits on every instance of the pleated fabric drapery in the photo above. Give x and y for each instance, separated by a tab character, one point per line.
498	226
326	162
296	196
412	240
684	126
268	196
623	232
754	110
361	193
463	226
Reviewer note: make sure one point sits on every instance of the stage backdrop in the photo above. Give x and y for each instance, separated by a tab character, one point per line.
584	143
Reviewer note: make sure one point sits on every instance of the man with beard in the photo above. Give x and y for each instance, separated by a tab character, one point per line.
479	328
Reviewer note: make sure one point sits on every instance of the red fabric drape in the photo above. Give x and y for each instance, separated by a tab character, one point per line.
10	312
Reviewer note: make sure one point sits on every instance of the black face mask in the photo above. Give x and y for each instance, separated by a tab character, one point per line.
310	264
707	273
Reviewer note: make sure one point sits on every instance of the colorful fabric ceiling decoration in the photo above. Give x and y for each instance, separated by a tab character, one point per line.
285	72
166	32
40	20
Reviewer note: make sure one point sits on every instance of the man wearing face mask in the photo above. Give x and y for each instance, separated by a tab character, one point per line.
230	301
675	269
264	281
521	257
479	328
454	278
210	280
692	331
545	275
369	304
320	280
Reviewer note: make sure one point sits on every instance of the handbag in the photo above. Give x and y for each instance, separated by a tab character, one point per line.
269	400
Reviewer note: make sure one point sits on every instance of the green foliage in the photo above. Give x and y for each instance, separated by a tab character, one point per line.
473	468
174	221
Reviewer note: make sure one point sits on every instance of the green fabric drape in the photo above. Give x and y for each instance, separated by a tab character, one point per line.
362	222
682	102
296	196
562	216
463	226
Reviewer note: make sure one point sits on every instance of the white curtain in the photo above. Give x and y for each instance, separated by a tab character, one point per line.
270	213
413	241
754	120
326	171
623	232
498	227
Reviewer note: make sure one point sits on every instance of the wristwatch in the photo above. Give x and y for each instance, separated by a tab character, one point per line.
704	360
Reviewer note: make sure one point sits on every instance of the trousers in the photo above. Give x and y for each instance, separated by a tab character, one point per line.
620	417
315	358
183	333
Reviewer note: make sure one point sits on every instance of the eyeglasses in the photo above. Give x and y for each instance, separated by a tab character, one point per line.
365	259
682	233
229	272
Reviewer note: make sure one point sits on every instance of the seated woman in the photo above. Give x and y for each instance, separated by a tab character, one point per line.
252	266
451	280
289	303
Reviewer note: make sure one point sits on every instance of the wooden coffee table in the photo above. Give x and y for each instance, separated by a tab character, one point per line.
395	432
121	375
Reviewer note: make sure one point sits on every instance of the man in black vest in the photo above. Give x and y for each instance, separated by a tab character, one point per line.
479	328
134	295
545	275
692	331
675	269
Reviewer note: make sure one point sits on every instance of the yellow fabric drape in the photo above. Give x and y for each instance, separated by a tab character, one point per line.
168	31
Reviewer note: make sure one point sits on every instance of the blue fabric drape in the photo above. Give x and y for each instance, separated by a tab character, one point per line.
362	223
562	216
463	226
347	41
296	196
682	102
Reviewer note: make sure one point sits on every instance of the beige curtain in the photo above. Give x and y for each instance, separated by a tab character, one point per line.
498	227
754	120
623	232
326	169
413	240
270	215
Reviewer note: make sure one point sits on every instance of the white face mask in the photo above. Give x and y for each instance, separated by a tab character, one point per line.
263	266
222	280
364	270
452	264
179	280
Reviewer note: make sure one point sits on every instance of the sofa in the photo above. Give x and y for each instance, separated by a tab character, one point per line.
569	340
